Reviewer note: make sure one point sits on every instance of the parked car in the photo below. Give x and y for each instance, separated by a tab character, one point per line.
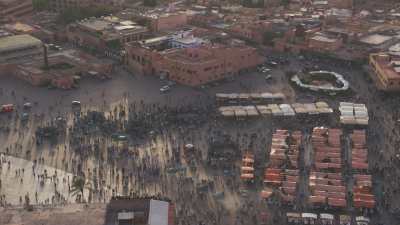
165	88
272	63
122	138
265	70
27	105
58	48
76	103
7	108
54	47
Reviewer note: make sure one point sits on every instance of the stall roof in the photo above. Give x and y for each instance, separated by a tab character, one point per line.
326	216
375	39
294	215
309	215
228	113
362	218
244	95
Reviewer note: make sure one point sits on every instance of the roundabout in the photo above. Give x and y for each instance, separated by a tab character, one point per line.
326	81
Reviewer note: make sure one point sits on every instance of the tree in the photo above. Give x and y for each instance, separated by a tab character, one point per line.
150	3
246	3
300	31
78	185
269	36
114	44
40	5
285	3
253	3
74	14
142	22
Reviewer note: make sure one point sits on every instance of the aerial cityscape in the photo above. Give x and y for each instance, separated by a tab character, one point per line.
199	112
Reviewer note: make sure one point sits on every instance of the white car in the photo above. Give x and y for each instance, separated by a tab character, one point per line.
165	89
265	70
58	48
272	63
27	105
76	103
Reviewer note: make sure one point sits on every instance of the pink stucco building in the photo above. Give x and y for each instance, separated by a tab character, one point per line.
167	21
193	66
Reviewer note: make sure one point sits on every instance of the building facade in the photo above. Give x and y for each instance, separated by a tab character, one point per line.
323	43
167	21
18	47
386	71
193	66
62	69
253	31
11	10
106	33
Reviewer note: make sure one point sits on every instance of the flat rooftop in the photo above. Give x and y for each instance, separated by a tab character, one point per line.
18	41
95	24
189	40
375	39
320	3
159	14
155	40
390	68
110	26
324	39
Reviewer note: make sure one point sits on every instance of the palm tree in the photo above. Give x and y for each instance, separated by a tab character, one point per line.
78	184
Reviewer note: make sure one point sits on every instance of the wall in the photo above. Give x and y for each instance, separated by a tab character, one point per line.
192	66
251	31
140	60
220	63
21	53
322	46
15	10
168	22
63	82
384	82
83	38
33	77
